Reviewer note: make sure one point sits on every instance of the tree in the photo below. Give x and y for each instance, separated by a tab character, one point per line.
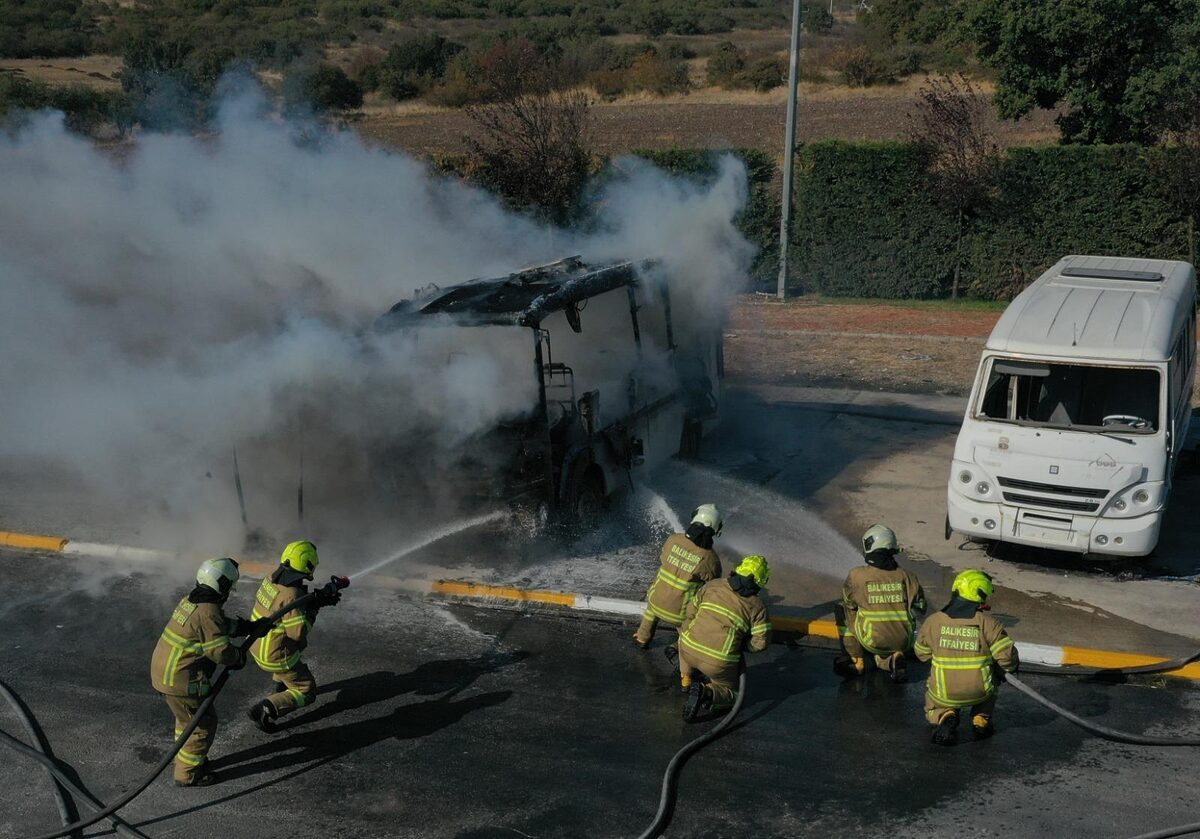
531	146
325	88
817	19
951	123
1113	64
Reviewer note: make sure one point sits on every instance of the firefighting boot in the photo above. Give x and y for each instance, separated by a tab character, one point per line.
897	668
672	653
263	715
640	644
699	698
981	726
203	778
848	667
946	733
685	682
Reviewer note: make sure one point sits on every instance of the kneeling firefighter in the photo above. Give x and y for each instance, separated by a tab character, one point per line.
196	639
278	653
686	563
724	618
880	604
968	648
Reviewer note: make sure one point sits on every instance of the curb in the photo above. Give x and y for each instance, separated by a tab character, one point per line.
826	630
100	550
1043	654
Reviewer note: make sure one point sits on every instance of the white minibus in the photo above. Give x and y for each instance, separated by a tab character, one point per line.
1080	408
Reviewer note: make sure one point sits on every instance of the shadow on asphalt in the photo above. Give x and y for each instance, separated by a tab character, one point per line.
411	721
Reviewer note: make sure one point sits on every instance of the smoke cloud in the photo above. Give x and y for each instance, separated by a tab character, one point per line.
161	307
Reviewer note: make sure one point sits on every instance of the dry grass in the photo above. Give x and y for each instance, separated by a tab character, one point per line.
99	71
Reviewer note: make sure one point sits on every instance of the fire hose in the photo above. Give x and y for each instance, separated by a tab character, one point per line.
220	677
667	799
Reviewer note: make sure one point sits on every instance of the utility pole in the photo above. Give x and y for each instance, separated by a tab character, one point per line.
789	153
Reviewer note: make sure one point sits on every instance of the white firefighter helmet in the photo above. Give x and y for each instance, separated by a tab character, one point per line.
215	572
879	538
709	516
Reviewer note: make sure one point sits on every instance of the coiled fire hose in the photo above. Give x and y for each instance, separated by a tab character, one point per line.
220	677
666	801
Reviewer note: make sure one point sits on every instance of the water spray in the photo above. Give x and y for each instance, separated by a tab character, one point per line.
437	536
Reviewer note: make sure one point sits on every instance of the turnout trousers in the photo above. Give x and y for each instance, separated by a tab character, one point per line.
297	689
722	676
934	709
191	757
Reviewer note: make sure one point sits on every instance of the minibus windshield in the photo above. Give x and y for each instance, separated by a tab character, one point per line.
1072	396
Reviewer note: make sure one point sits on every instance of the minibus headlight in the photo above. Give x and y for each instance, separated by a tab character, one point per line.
1119	504
965	476
1141	497
983	487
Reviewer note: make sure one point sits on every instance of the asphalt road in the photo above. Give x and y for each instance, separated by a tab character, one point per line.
459	722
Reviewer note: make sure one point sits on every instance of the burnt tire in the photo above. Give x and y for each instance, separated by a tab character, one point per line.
586	502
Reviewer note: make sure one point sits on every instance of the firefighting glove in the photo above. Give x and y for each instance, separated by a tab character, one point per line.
239	662
326	597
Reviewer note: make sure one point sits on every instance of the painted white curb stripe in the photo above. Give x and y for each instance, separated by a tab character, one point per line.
609	605
1040	654
121	552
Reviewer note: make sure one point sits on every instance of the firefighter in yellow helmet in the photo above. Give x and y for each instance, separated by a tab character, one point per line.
195	640
687	562
968	648
723	619
279	651
880	605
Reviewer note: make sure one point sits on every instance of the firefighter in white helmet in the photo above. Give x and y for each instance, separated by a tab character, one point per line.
196	639
880	605
687	562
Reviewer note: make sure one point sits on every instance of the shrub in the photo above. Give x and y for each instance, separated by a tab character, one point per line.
653	73
764	74
328	88
816	19
725	62
412	67
609	83
862	68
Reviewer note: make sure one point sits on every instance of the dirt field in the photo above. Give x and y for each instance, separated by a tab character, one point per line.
897	348
707	118
95	70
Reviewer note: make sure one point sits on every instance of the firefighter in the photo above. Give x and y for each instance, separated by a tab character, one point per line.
279	651
725	617
880	604
194	642
687	562
968	648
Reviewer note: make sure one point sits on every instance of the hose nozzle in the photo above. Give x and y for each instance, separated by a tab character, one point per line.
338	583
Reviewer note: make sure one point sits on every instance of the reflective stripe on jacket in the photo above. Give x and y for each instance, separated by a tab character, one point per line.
721	623
194	641
683	568
962	651
279	650
881	608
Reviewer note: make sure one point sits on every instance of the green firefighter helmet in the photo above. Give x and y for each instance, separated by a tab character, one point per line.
301	557
973	585
756	568
879	538
218	574
709	516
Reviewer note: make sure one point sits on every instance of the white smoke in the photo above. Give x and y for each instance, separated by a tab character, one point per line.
162	306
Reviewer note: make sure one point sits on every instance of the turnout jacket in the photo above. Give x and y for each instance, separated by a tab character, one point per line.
963	651
279	650
721	623
683	568
881	606
195	640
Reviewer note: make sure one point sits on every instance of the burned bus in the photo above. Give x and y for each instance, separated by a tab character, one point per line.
617	381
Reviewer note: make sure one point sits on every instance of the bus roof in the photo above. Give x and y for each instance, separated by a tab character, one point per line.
1100	307
522	298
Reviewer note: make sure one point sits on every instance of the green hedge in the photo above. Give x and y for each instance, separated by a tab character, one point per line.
868	224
